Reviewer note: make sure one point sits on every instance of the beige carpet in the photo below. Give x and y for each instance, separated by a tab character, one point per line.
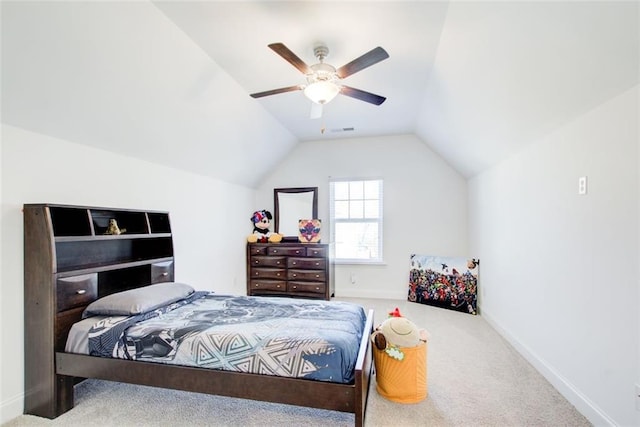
475	378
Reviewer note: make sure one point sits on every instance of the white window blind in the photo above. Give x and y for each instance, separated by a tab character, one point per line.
355	215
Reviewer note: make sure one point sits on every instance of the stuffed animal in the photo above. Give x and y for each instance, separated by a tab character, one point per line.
261	234
397	332
114	229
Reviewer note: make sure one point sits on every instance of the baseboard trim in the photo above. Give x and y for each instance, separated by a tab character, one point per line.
359	293
11	408
582	403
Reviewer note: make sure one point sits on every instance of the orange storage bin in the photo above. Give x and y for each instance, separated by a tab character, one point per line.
403	381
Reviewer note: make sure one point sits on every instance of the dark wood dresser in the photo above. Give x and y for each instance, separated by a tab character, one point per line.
303	270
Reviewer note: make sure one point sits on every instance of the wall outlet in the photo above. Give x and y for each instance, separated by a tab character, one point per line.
637	397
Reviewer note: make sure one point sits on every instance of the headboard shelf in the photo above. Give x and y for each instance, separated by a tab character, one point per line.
75	255
108	267
69	261
108	237
68	221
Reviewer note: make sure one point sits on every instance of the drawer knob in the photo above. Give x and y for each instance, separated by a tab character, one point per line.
295	287
294	263
164	274
275	251
317	275
295	275
317	263
277	286
257	285
81	292
257	262
297	252
317	288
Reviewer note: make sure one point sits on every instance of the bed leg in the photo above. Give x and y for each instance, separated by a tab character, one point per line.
51	398
65	396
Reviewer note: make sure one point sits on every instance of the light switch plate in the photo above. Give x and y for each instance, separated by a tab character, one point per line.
582	185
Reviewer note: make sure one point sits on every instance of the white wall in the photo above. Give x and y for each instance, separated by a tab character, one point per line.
425	203
209	219
560	270
2	268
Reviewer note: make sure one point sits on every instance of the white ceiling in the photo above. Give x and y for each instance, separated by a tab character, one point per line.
169	81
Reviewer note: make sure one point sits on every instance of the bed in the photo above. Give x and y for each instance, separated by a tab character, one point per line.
348	393
55	301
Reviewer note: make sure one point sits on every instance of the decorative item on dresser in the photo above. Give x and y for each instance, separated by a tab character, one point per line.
290	269
290	206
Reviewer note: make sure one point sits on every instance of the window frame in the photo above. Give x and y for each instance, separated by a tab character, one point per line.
379	260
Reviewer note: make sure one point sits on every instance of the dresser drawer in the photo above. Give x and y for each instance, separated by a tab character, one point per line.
268	261
308	263
269	273
162	272
287	250
317	252
257	249
316	288
268	285
312	275
76	291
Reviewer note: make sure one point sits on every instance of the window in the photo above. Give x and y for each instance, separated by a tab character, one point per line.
355	213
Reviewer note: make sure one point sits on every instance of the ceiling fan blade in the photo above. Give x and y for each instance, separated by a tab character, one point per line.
316	111
290	57
368	59
369	97
276	91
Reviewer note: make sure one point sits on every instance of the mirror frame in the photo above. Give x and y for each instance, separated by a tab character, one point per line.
276	204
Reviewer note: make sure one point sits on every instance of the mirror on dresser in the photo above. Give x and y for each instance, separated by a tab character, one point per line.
292	205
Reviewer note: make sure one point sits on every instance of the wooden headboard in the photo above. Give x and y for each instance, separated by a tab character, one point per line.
72	256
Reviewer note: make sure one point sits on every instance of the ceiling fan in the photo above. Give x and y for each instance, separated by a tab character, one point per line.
323	80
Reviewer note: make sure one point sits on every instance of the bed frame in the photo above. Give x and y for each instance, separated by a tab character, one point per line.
64	272
316	394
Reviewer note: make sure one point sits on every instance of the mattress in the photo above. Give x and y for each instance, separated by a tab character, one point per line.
288	337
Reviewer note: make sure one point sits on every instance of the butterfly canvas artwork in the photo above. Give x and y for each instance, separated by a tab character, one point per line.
309	230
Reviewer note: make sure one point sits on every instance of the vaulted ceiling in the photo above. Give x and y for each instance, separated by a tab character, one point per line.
169	81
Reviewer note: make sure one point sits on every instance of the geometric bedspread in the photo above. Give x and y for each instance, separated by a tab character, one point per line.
298	338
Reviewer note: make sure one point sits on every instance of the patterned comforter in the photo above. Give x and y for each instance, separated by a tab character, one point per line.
274	336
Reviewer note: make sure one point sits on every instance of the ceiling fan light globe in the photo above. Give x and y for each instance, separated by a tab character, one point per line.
321	92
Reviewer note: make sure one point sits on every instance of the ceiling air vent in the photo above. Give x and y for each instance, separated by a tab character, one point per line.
336	130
